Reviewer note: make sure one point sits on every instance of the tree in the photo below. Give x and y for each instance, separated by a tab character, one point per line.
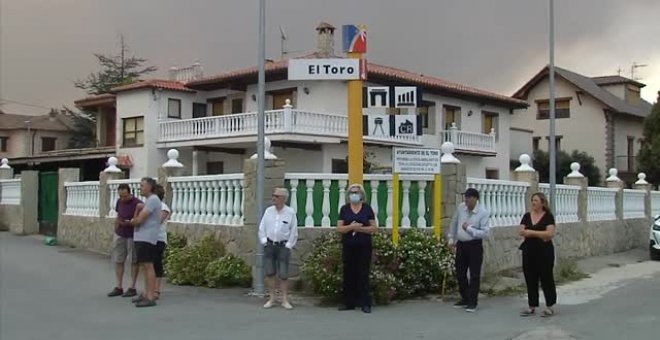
564	160
116	69
649	154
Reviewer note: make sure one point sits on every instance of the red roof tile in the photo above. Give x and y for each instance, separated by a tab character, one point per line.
106	98
373	70
170	85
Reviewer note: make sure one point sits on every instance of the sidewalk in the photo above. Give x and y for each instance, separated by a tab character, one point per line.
57	293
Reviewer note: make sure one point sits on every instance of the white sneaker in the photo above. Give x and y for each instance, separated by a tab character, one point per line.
269	304
287	305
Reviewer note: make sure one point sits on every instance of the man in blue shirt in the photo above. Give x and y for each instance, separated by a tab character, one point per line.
469	226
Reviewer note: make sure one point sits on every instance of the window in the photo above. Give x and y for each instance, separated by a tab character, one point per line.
4	144
631	153
173	108
339	166
237	105
215	168
557	143
490	122
48	144
217	106
280	97
133	131
452	114
199	110
632	94
427	111
492	174
562	108
535	143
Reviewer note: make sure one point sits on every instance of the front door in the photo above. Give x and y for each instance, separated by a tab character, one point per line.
48	206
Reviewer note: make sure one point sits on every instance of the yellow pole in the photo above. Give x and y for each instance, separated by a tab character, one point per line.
395	209
355	144
437	206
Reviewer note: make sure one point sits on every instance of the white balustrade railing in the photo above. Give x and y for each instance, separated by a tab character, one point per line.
655	203
634	203
566	204
10	191
277	121
113	185
317	198
82	198
601	204
505	200
216	199
468	140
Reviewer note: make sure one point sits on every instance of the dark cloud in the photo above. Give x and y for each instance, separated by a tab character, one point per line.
495	45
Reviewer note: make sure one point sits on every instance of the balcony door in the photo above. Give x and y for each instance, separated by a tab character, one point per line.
452	114
280	97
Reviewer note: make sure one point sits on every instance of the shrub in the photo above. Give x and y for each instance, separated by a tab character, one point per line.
419	266
187	265
174	242
228	271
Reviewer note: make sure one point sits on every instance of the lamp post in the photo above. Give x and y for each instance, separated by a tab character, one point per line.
258	284
552	147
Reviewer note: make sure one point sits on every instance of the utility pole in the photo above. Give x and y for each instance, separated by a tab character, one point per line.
552	148
261	96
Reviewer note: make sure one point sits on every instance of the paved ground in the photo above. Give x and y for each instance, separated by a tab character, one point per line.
55	293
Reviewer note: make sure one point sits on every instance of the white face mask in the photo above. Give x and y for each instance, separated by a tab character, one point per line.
354	198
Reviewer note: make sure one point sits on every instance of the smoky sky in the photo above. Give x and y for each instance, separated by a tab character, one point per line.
494	45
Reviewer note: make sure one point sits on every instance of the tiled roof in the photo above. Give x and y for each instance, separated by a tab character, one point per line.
58	122
376	70
590	86
613	80
170	85
106	98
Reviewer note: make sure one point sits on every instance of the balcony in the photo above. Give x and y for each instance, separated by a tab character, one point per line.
470	142
281	125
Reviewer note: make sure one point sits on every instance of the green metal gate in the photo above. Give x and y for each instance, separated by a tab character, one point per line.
48	207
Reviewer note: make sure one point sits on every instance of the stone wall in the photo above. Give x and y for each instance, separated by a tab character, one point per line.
89	233
11	218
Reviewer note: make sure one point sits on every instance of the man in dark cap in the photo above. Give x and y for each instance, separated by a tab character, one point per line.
469	226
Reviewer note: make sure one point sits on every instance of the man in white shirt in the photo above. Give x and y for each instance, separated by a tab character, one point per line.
278	232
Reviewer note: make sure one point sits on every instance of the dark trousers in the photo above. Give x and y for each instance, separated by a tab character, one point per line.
158	261
357	260
469	256
538	265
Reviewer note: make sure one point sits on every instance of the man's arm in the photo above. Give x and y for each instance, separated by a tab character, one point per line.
483	230
141	215
293	236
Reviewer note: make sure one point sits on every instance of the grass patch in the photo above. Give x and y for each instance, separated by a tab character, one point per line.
567	270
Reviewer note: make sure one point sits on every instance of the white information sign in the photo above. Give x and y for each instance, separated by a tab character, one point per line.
416	161
324	69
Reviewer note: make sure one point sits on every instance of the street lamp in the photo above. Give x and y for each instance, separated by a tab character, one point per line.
258	282
552	147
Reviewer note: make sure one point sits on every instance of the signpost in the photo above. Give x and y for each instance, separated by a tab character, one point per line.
416	161
355	44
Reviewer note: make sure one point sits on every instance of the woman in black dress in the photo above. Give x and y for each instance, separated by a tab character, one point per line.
538	255
356	223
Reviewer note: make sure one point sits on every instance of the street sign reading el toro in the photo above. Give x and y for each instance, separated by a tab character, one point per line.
324	69
416	161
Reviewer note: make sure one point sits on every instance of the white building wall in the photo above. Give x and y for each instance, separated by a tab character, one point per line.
624	127
618	90
585	130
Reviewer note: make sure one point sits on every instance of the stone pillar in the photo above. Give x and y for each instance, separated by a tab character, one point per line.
195	160
6	172
30	202
642	184
576	178
526	173
64	175
104	191
171	168
614	182
274	177
454	183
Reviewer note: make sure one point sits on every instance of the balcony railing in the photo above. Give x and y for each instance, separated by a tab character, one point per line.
284	121
468	141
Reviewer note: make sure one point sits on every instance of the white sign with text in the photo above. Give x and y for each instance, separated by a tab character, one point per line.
416	161
324	69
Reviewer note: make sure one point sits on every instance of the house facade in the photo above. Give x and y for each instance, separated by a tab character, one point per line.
602	116
212	121
26	135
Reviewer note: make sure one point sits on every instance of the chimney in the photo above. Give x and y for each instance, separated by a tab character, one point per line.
325	39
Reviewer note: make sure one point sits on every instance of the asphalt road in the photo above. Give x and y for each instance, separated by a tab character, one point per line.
59	294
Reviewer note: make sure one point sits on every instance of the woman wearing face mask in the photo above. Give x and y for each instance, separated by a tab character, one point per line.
356	223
